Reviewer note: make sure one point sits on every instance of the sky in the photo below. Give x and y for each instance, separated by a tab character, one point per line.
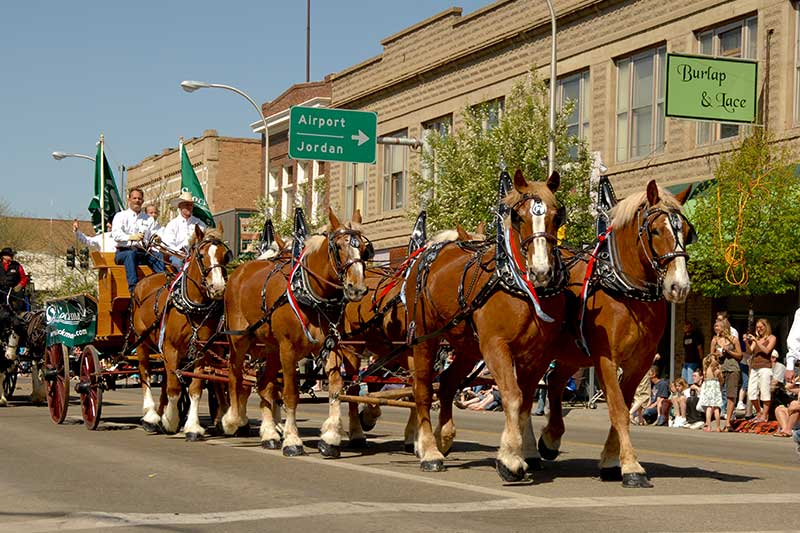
70	71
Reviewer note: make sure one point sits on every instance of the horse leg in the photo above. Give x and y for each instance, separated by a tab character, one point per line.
550	440
357	438
3	399
267	390
330	442
449	380
431	459
528	381
619	449
170	419
292	443
39	392
192	429
151	420
235	417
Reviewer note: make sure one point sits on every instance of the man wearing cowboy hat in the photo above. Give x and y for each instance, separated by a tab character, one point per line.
176	233
13	280
129	229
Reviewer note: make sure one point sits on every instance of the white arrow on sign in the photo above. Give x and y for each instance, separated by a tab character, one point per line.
361	137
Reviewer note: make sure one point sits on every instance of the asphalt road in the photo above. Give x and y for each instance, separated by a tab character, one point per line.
65	478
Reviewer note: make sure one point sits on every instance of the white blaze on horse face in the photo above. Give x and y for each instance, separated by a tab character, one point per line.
676	282
217	285
538	257
354	254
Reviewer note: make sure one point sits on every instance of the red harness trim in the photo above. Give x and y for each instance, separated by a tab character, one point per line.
590	268
517	256
292	299
398	274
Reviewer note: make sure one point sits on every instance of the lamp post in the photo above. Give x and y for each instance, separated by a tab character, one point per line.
190	86
551	145
58	156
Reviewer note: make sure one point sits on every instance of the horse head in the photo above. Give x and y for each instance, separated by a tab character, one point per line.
348	250
663	233
535	215
209	257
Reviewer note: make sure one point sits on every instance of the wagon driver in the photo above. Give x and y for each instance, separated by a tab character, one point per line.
129	229
13	280
177	232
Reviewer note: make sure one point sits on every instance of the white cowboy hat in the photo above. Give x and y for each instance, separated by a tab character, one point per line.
184	198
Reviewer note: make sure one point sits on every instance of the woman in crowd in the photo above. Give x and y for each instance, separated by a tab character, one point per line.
760	347
726	347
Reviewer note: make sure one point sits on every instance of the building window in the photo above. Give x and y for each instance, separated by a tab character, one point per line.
738	39
355	188
302	195
640	104
394	174
575	89
492	112
287	192
273	191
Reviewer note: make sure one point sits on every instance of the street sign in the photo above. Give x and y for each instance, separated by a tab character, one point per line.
333	134
706	88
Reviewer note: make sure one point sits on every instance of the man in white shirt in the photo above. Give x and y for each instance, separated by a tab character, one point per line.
793	346
128	229
176	233
102	241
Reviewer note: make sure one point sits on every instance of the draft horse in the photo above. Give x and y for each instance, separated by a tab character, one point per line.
638	265
456	291
186	311
292	307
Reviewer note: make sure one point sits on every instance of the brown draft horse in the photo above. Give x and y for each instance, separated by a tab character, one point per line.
447	295
622	328
193	310
259	308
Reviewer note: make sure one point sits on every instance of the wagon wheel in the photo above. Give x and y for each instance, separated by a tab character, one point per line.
10	382
56	376
90	387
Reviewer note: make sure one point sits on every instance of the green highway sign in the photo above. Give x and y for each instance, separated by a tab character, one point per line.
333	134
706	88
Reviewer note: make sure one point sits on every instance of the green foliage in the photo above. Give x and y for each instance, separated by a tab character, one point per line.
747	224
462	187
69	282
285	226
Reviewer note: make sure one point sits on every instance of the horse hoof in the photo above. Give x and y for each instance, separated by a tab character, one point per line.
507	475
242	431
435	465
330	451
294	451
366	426
149	427
408	448
271	444
613	473
546	453
636	481
534	463
357	444
195	437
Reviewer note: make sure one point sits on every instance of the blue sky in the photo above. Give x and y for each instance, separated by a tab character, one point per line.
72	70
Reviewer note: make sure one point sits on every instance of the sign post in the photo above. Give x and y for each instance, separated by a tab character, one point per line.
706	88
328	134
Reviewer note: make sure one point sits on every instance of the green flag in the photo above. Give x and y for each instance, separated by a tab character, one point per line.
190	183
111	198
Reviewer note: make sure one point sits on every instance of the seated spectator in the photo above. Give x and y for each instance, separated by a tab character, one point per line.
787	410
695	418
641	398
778	369
678	399
659	405
487	400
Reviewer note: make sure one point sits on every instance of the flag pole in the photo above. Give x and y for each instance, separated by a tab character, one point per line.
102	193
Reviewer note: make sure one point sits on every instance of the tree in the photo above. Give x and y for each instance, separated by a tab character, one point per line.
747	221
459	182
285	226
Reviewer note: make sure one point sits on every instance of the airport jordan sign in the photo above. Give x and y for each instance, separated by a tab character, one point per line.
333	134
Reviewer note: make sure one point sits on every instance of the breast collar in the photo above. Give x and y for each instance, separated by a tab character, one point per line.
611	277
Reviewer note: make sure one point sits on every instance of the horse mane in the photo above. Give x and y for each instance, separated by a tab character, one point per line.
625	210
314	243
447	235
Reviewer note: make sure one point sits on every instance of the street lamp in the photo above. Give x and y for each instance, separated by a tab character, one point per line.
551	145
58	156
191	86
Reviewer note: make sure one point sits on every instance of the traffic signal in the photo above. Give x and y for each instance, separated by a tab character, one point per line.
83	255
71	257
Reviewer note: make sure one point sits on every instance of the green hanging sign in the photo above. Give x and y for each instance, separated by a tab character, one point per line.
706	88
71	321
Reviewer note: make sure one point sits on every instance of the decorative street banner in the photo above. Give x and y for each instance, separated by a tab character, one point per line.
71	321
706	88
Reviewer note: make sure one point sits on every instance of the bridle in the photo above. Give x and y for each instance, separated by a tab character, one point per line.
356	239
196	255
646	217
537	208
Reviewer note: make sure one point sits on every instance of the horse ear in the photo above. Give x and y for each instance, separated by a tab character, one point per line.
279	241
652	193
334	222
462	233
683	195
356	216
198	233
519	180
221	229
554	181
481	229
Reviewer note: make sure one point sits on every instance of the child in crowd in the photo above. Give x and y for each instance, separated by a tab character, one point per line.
710	392
680	391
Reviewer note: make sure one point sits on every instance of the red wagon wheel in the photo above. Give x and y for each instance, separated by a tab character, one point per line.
56	375
90	387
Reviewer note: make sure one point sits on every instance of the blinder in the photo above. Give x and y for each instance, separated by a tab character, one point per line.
561	216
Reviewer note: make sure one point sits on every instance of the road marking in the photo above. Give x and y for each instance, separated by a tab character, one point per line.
100	520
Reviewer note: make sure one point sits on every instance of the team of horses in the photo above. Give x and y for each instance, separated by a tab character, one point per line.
516	301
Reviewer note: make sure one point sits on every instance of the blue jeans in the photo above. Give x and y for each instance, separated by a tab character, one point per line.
687	370
131	257
176	262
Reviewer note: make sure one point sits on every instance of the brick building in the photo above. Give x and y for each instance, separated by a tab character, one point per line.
611	58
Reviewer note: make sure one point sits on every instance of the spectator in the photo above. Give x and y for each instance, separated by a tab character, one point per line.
793	345
760	347
778	369
695	418
678	400
659	405
710	392
487	400
787	415
641	398
726	347
692	350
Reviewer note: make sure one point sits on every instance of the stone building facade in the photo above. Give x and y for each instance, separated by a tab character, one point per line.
611	57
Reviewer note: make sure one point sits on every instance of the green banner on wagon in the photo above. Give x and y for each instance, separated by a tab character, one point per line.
706	88
71	321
